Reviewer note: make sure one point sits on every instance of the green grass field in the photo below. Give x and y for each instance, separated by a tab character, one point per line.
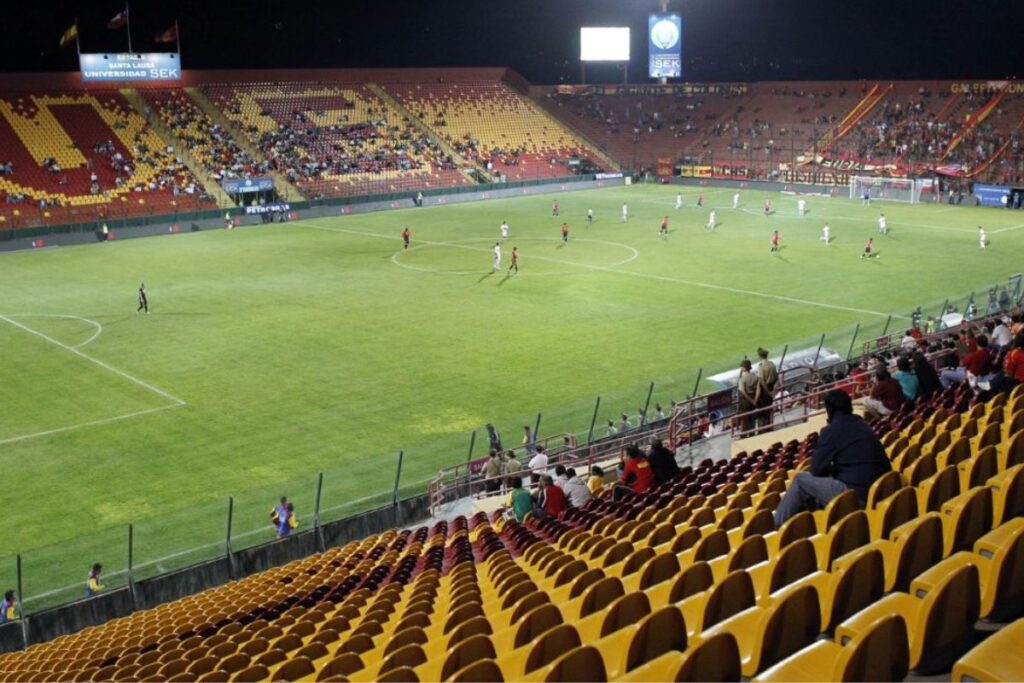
274	353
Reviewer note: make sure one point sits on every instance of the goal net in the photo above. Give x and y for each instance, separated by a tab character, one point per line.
885	189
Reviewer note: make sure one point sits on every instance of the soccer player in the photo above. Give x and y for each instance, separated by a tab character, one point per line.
775	242
515	261
826	235
882	229
868	249
866	199
736	201
664	227
679	200
625	212
565	233
712	220
504	230
767	208
228	223
143	300
590	216
497	255
700	199
801	206
554	208
405	237
981	237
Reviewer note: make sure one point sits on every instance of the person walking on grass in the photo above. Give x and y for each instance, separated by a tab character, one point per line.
143	299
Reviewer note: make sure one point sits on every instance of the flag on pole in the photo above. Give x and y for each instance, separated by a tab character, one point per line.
120	19
168	36
70	36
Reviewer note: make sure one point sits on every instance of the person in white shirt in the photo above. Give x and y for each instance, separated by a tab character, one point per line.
576	489
736	201
504	230
679	201
801	206
560	476
712	219
1001	335
882	229
981	237
590	216
625	212
826	235
538	463
497	255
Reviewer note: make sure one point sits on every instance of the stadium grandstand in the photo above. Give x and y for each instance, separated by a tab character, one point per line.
425	253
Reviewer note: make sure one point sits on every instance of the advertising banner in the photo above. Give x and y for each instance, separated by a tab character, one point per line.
267	208
243	185
153	66
664	45
991	195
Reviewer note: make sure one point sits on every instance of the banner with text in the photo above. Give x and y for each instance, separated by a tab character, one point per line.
664	46
243	185
154	66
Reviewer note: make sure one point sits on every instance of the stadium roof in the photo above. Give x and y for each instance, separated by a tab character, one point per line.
726	40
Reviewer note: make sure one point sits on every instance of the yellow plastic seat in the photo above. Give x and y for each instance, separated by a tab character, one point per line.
579	664
965	519
999	557
940	611
880	653
660	632
899	508
938	488
998	658
849	534
883	487
979	469
838	508
1007	489
706	659
797	560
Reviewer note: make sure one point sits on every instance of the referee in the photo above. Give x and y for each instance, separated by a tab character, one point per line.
143	300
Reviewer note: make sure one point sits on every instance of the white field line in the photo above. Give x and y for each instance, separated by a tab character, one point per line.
1012	227
96	325
604	269
106	366
92	423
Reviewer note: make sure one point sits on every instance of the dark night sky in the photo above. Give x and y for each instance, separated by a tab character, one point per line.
738	40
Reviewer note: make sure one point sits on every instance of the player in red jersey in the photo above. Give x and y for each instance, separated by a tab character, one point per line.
868	249
515	261
565	233
664	227
405	237
775	242
700	199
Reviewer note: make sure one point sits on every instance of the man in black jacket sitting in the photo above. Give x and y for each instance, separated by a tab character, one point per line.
849	455
663	461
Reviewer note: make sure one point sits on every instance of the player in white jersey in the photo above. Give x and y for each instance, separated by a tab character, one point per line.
736	201
625	212
679	201
882	229
497	255
712	219
590	216
982	239
801	206
504	230
826	235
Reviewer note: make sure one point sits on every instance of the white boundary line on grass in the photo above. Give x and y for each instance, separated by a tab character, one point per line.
98	326
175	401
605	269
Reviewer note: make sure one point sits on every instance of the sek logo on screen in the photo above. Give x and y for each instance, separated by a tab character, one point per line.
665	34
667	67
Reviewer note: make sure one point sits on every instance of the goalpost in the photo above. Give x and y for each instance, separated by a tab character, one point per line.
887	189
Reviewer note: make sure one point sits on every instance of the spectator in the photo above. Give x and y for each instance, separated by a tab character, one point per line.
746	386
767	378
510	467
8	608
659	412
560	476
576	489
519	500
1013	365
552	499
975	362
927	378
279	511
612	430
637	475
662	461
624	425
287	523
492	471
848	455
1001	336
596	481
886	396
907	379
93	585
538	463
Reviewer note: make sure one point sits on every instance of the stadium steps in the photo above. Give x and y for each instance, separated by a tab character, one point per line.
464	165
180	148
281	184
596	151
853	117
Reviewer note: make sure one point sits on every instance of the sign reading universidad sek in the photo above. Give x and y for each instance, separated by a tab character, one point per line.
664	45
151	66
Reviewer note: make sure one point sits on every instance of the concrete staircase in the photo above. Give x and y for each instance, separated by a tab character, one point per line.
281	184
209	184
464	166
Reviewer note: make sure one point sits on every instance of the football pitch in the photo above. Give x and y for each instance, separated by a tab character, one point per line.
275	353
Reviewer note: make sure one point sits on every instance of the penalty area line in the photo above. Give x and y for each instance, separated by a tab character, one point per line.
92	423
617	271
